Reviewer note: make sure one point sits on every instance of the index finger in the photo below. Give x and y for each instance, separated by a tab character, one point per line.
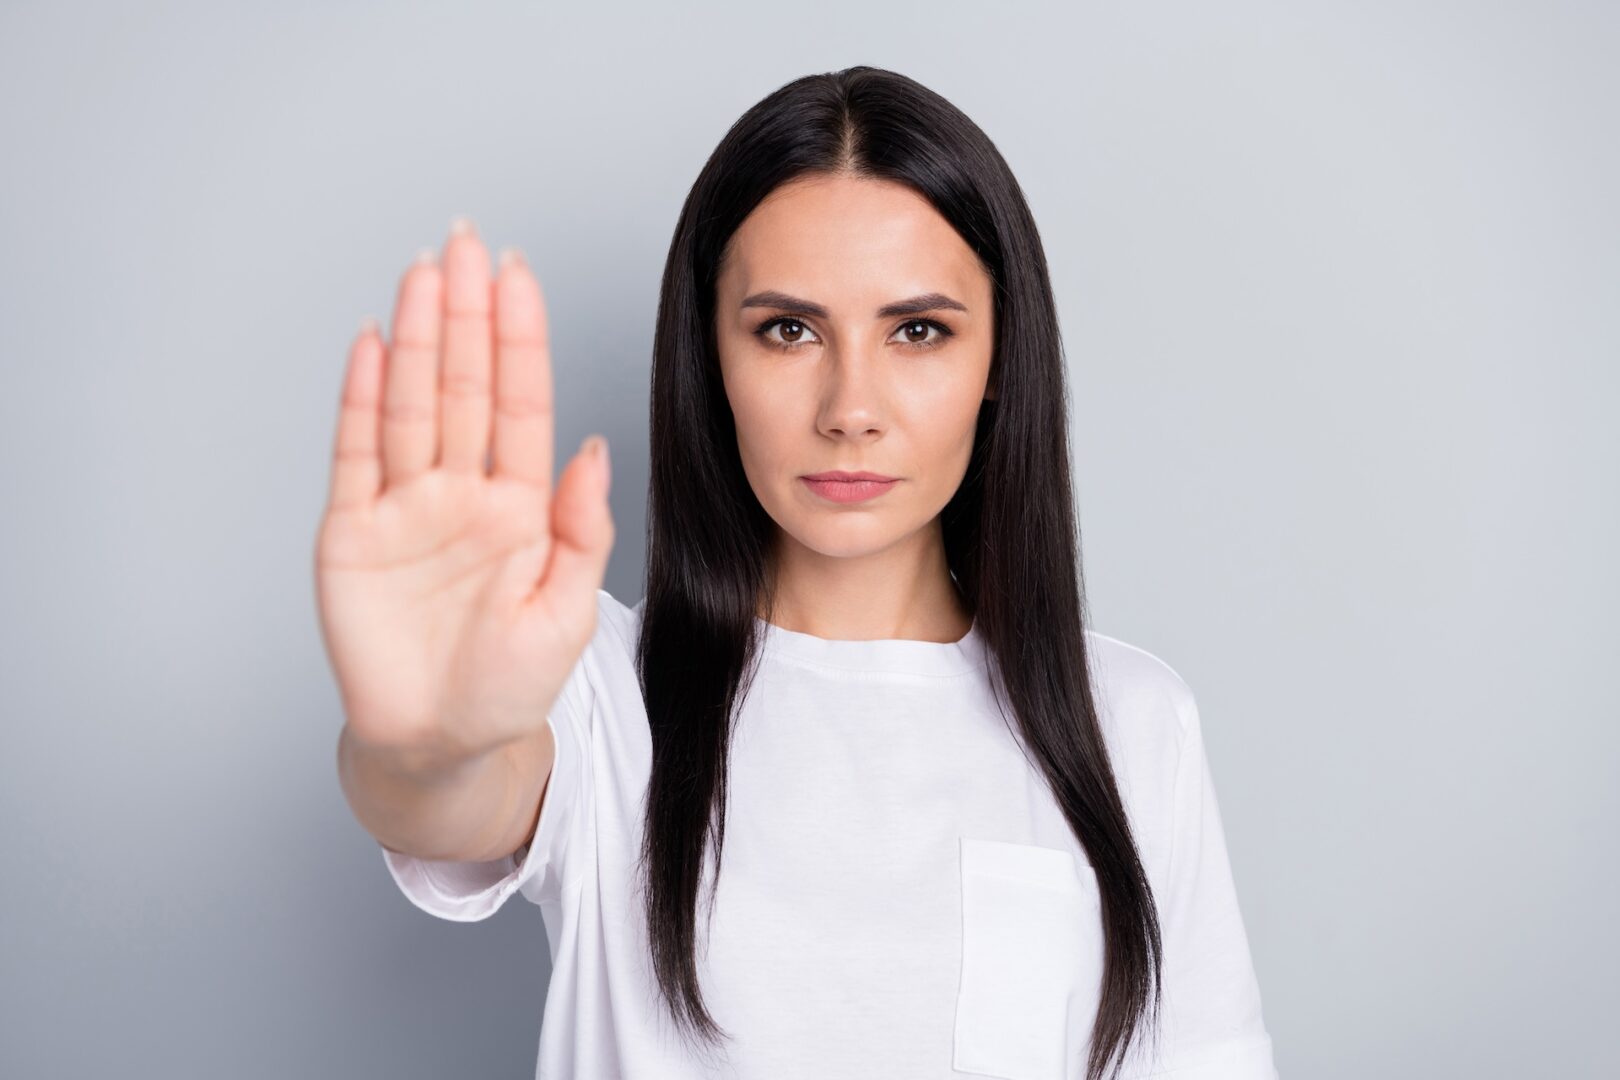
524	404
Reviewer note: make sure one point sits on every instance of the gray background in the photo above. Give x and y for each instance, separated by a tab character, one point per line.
1338	284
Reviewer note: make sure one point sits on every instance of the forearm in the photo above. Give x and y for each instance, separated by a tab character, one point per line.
426	807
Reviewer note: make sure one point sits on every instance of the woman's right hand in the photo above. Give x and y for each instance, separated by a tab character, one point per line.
455	592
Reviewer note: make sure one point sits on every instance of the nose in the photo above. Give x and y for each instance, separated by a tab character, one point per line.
853	393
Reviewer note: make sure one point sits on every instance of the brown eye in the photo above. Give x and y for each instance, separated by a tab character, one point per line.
793	333
916	332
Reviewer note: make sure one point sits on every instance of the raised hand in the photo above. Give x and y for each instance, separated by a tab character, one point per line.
455	591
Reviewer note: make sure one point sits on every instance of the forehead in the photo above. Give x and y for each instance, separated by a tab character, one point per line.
827	238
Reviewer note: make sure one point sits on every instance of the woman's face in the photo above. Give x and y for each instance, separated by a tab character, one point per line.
855	332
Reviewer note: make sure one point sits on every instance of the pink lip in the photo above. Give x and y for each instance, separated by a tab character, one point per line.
848	487
839	474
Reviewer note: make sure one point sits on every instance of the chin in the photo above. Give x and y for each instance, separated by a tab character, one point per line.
842	535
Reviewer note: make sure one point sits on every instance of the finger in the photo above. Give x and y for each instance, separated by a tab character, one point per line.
581	529
356	466
524	400
410	425
464	384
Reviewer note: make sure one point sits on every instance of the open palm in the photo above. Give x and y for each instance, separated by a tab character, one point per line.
455	592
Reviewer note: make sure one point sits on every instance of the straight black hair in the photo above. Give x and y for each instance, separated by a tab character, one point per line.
1010	532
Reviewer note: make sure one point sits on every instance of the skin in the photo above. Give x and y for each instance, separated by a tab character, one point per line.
854	391
457	589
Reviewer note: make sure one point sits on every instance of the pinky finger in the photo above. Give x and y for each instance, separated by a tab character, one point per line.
356	466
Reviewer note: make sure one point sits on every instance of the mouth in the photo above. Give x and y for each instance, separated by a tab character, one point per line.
849	487
846	477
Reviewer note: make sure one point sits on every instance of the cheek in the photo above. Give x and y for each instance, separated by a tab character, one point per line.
759	411
941	417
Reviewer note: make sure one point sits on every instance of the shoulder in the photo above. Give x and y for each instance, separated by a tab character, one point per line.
1148	718
617	620
1139	688
613	642
607	663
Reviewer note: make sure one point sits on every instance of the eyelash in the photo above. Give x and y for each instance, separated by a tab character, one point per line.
788	346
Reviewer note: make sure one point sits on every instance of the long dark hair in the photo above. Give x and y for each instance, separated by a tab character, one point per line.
1011	537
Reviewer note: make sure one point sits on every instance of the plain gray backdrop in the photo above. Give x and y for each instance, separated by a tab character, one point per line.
1338	284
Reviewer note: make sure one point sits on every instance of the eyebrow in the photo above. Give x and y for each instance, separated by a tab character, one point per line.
914	305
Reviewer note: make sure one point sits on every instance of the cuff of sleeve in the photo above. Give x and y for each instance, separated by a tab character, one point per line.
471	891
459	891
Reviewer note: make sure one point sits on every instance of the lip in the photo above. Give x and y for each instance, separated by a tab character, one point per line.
839	474
848	487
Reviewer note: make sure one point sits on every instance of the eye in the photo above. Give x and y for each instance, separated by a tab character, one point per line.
924	325
794	338
794	331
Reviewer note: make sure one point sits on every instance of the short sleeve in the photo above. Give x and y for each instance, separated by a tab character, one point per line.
472	891
1212	1028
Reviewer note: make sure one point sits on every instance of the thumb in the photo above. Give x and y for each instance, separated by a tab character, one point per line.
581	529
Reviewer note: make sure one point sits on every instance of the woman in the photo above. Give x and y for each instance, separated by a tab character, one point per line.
962	834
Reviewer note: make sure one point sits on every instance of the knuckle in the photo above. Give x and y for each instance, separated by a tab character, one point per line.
464	385
535	342
405	412
416	345
519	407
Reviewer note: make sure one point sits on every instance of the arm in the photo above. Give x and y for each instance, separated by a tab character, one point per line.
475	809
1213	1023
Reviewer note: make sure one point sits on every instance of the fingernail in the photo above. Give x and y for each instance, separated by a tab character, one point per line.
368	325
511	257
460	225
426	255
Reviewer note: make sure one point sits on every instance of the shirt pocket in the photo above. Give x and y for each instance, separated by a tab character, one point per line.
1032	953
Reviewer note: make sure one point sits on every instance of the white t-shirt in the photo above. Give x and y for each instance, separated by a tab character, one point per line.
901	897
